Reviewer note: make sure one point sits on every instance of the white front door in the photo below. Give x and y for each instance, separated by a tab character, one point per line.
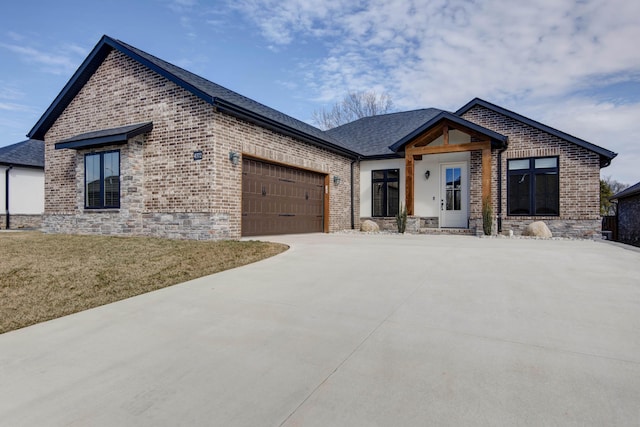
454	195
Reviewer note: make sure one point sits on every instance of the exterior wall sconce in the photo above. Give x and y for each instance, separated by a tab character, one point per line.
336	180
427	174
234	157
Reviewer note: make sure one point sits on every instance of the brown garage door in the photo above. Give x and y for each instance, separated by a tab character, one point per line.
280	200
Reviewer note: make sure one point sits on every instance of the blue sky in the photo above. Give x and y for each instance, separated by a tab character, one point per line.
573	65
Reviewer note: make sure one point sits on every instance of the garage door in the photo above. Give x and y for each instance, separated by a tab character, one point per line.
280	200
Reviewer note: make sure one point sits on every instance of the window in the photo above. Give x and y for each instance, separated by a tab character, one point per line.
386	192
102	180
533	187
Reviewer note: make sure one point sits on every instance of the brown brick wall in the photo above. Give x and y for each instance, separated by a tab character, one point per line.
164	191
579	174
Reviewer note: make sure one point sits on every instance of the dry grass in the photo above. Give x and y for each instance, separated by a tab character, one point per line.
43	276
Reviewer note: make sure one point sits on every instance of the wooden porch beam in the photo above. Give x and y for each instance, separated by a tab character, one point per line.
455	148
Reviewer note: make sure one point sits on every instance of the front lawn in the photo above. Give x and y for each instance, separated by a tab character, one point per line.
45	276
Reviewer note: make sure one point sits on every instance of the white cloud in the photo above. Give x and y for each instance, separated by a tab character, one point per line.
602	123
180	6
530	56
9	106
56	60
10	93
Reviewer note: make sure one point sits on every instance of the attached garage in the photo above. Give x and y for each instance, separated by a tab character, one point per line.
279	199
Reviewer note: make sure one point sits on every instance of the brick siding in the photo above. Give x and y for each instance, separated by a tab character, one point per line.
164	192
579	171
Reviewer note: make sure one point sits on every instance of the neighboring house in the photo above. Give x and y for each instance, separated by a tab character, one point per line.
136	145
22	184
628	213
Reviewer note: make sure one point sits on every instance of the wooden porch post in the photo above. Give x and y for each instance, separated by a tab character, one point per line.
409	182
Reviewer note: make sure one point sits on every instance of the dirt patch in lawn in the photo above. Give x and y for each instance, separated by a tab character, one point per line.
43	277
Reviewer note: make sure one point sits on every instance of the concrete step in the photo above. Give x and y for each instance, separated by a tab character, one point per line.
448	231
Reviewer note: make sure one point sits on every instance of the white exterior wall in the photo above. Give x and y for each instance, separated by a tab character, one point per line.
366	167
26	191
426	191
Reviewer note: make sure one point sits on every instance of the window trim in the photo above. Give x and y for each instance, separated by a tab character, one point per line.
533	172
102	193
384	181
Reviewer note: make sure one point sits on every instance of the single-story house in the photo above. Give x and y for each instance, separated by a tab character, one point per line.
136	145
628	214
22	184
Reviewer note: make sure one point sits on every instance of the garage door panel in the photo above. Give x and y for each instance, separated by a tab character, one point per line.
280	200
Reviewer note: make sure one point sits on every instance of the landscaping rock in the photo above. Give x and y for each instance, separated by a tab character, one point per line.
537	229
369	226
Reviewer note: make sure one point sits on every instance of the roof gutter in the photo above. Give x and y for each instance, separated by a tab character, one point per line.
499	219
353	194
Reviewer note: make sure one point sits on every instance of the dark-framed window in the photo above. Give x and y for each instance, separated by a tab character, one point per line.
102	180
533	186
385	187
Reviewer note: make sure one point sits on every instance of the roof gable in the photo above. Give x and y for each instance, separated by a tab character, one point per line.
28	153
221	98
496	138
605	155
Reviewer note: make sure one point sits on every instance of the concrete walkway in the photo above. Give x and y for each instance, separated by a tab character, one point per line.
351	330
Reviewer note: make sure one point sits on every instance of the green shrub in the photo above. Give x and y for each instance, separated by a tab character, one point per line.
487	216
401	219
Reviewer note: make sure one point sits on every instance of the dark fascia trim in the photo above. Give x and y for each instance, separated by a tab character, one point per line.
82	75
497	140
86	141
627	192
20	165
397	155
605	155
71	89
241	113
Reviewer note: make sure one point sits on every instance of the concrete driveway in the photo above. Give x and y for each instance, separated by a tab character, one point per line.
350	330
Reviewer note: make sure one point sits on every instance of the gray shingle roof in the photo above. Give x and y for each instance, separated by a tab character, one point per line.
628	192
368	137
372	136
26	153
220	97
220	93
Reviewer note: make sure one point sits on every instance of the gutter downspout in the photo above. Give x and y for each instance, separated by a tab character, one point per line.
500	188
6	196
353	215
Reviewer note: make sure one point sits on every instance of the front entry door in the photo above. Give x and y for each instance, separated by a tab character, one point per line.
454	195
